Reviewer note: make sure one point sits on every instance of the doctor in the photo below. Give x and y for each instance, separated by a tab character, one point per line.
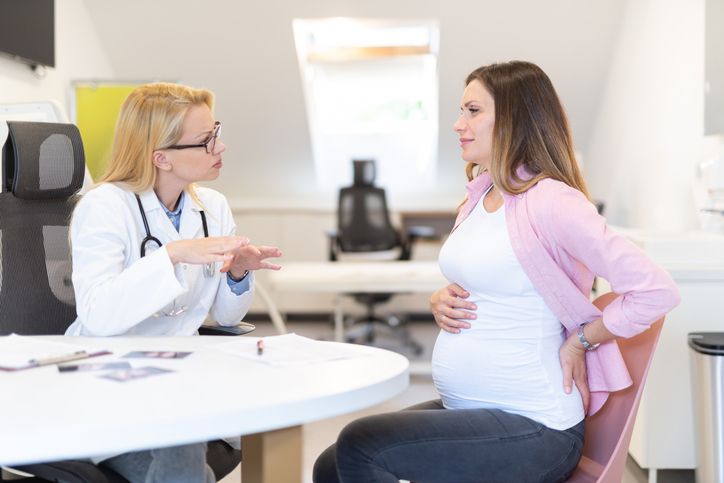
154	254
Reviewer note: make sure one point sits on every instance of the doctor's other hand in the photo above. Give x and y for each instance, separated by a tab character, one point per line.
250	257
449	307
205	250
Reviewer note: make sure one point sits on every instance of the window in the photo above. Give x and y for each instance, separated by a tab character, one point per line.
371	93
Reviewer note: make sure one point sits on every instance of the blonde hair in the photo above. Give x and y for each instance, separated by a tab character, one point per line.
531	128
151	118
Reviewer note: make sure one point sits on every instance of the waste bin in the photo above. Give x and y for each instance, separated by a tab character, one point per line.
707	377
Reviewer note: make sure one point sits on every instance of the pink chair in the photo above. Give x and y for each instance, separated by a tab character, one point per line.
608	432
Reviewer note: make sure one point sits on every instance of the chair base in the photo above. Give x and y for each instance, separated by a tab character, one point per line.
388	333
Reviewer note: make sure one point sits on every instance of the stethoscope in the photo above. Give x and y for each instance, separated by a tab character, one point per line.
208	267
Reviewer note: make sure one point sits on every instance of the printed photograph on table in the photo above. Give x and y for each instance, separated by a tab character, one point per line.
100	366
156	355
137	373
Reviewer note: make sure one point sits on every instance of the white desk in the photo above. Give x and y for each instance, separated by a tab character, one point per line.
354	277
50	416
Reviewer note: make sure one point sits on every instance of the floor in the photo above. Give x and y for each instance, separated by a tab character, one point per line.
318	435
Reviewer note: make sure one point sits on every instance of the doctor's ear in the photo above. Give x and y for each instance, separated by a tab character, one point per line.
161	161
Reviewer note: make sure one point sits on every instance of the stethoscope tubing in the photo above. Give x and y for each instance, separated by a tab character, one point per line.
150	238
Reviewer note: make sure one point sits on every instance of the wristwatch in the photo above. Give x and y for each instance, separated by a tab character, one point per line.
237	280
584	342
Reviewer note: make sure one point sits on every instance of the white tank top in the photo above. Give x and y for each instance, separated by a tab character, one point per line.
508	359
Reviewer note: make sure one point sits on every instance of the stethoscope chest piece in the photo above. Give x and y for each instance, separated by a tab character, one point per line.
209	269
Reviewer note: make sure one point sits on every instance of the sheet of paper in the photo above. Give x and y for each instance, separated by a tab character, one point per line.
17	351
287	350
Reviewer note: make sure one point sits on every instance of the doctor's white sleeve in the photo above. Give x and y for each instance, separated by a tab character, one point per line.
110	297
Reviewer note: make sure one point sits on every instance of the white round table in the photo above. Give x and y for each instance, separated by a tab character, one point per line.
46	415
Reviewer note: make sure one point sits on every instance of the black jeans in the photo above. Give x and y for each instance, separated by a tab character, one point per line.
427	443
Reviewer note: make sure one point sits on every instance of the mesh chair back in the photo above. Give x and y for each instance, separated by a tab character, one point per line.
364	172
43	169
363	220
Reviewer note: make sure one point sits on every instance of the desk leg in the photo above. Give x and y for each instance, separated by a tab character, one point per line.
272	457
338	319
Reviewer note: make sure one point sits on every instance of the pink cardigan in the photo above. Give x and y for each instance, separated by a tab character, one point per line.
562	242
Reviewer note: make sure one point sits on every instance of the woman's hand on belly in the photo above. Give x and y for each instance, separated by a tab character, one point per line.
573	365
447	306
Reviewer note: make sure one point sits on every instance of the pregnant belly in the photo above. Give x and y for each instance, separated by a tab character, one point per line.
471	371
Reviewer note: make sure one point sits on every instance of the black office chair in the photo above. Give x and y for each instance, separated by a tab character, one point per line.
363	225
43	166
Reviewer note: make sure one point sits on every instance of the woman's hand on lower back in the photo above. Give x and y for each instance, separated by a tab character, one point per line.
573	364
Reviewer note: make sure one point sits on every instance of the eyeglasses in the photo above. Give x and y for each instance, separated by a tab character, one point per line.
209	145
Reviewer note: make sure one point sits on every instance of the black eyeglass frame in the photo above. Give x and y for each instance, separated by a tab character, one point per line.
211	140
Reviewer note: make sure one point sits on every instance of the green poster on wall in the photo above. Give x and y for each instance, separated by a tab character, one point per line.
96	107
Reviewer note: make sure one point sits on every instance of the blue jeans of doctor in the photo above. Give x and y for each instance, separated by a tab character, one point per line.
427	443
177	464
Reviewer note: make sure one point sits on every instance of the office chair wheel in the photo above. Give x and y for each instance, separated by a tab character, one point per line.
369	337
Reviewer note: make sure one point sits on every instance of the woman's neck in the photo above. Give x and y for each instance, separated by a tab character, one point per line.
168	195
493	199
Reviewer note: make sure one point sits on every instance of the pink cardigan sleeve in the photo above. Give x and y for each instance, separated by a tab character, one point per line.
646	291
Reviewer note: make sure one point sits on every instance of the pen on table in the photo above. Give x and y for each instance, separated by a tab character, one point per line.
62	358
260	347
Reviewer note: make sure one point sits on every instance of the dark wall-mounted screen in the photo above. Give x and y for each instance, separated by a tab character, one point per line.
27	30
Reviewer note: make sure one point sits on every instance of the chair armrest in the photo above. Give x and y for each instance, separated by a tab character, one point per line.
333	239
240	329
412	234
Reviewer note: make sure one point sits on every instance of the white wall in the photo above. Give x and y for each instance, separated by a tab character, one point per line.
649	132
78	55
244	51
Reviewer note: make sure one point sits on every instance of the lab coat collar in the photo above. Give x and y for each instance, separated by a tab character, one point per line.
190	225
150	201
190	200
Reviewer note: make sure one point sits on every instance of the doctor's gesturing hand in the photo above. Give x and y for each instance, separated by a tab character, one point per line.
250	257
205	250
236	253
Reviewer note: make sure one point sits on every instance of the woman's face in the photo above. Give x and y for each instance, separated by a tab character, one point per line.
475	124
195	164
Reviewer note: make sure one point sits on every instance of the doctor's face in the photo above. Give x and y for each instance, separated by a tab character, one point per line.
200	163
475	124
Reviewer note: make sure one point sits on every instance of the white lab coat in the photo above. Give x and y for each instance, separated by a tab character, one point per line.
118	292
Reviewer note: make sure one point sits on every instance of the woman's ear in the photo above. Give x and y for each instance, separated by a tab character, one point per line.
161	161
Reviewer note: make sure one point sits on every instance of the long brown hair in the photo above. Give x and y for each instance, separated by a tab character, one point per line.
151	118
531	128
